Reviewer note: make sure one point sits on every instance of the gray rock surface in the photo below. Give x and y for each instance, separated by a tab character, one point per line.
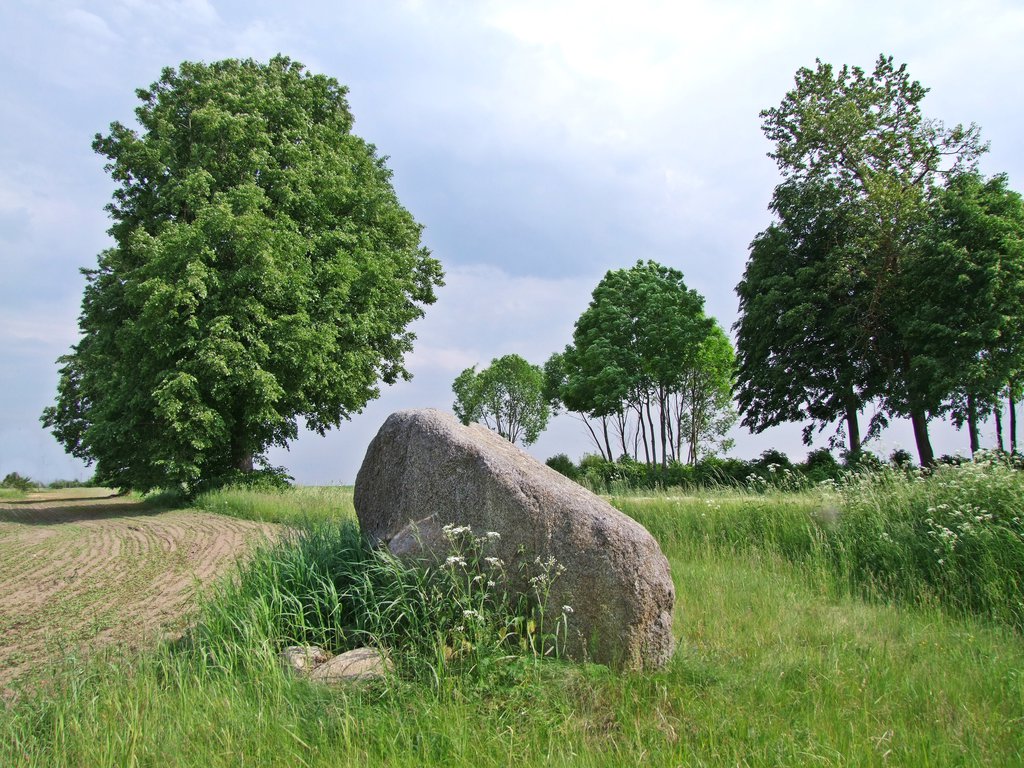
301	659
359	664
425	470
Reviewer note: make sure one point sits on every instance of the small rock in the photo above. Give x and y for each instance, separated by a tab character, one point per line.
358	664
303	659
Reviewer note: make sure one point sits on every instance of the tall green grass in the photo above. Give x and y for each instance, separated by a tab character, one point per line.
323	585
771	670
780	661
303	505
953	536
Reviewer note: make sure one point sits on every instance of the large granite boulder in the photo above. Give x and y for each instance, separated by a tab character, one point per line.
424	470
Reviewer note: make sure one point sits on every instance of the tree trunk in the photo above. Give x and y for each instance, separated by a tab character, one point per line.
654	437
852	429
620	424
1013	422
972	424
997	412
241	453
695	422
593	435
643	432
607	442
664	436
924	446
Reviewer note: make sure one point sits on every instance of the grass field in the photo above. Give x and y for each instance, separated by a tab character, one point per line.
814	629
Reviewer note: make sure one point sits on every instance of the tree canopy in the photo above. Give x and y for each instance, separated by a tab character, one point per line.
507	396
263	271
969	333
645	364
798	338
861	165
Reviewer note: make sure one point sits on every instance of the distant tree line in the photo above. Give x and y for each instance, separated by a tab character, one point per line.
773	469
893	274
648	374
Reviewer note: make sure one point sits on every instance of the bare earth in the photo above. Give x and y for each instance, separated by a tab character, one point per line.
82	569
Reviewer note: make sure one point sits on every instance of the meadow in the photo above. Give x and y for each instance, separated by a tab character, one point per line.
873	622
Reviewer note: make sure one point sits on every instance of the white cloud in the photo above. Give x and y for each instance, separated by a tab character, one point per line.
91	27
46	325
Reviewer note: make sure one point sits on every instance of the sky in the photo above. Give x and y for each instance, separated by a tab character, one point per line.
539	143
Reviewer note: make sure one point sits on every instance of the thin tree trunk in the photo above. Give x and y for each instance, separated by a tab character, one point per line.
643	432
636	444
1013	421
679	426
671	428
654	437
924	446
607	442
593	435
664	436
972	424
620	423
998	413
695	420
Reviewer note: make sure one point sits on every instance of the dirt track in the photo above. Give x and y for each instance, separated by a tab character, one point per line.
82	568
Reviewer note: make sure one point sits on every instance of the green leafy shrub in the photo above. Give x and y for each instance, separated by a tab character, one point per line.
18	482
901	459
564	465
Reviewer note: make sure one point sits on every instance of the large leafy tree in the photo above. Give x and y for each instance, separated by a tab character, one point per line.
508	396
969	333
631	366
703	406
263	272
864	136
798	338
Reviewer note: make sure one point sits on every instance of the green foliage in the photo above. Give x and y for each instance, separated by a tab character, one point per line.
969	334
508	396
780	668
649	366
302	506
955	535
901	459
774	457
820	459
798	336
563	464
263	272
18	482
841	302
952	536
324	585
59	484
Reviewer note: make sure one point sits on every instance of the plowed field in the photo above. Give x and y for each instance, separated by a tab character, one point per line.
81	569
